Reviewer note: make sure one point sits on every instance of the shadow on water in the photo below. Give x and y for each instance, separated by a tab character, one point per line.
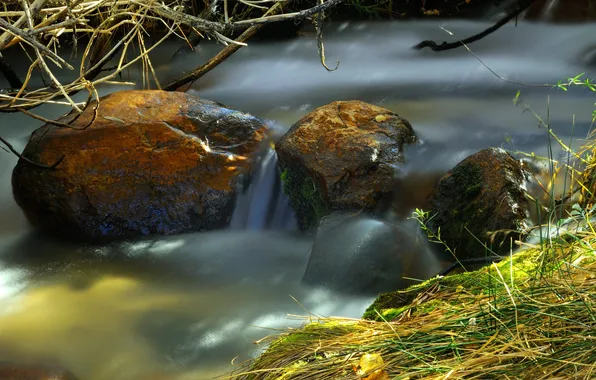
182	307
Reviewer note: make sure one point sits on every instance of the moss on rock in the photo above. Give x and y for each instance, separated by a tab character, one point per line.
480	204
520	267
305	197
342	157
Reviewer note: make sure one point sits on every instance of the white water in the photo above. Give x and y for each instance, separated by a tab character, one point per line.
188	304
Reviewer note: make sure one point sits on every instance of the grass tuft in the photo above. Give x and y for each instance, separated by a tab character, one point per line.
520	318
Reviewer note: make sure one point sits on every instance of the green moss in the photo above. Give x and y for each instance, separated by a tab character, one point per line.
523	266
460	209
467	210
305	196
297	340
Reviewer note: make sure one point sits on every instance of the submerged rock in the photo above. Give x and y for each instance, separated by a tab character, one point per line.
482	195
13	371
149	162
361	255
341	156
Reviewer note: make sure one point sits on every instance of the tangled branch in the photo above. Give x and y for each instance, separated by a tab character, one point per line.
116	31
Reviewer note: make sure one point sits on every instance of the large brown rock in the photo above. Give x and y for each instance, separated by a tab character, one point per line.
150	162
482	195
341	156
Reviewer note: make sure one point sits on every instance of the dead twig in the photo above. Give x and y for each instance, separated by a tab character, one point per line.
521	6
129	20
321	48
296	16
34	43
222	55
6	37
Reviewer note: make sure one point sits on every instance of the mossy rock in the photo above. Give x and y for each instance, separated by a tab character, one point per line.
480	205
341	157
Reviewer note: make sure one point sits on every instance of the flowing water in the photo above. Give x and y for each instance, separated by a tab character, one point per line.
184	307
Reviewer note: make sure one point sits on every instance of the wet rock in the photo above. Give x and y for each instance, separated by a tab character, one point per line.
12	371
361	255
483	194
151	162
341	156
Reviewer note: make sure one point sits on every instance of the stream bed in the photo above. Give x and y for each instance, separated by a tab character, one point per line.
189	306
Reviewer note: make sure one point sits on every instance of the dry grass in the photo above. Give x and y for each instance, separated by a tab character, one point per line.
531	317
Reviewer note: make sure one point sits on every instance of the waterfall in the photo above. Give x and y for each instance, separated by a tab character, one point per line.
263	205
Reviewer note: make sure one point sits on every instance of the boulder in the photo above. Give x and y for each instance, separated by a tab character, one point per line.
341	156
149	162
482	195
13	371
362	255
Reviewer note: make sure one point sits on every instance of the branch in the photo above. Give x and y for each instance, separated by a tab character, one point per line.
297	16
6	37
42	61
33	42
256	25
200	71
56	123
520	6
318	21
183	18
216	27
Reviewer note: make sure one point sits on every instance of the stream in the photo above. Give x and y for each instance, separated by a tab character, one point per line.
191	306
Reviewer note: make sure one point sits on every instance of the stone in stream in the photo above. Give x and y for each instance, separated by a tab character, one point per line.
482	201
362	255
150	162
341	156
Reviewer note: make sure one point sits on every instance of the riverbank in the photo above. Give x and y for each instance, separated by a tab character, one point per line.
530	316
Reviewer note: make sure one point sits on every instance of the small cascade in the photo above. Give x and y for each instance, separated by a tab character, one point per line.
263	205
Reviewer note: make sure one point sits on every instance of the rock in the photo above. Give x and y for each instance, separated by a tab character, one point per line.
341	156
361	255
483	194
151	162
12	371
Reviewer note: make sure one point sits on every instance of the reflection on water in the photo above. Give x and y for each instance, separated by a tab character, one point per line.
123	328
183	307
168	308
